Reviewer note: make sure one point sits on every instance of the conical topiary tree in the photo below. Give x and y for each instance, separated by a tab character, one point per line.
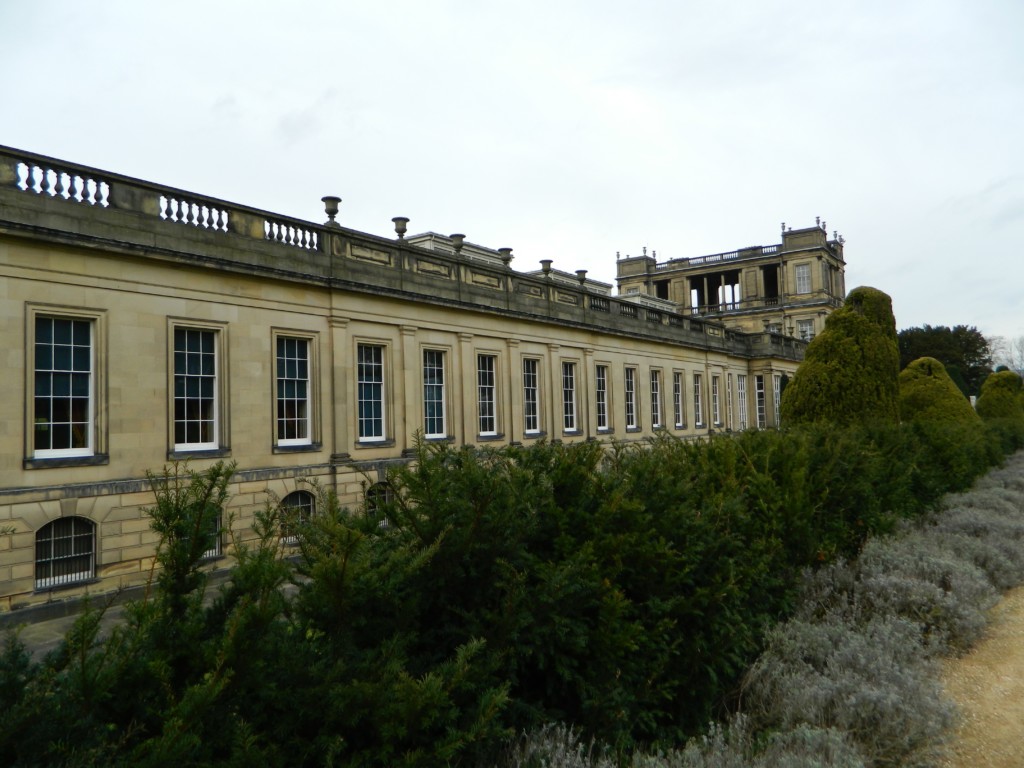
851	370
1002	396
928	393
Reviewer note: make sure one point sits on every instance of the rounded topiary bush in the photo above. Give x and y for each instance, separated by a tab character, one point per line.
850	371
927	393
1001	397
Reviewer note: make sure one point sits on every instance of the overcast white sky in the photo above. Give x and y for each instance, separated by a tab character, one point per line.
568	130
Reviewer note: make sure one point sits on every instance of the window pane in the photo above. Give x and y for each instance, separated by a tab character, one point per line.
62	408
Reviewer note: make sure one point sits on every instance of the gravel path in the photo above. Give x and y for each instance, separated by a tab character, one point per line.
988	686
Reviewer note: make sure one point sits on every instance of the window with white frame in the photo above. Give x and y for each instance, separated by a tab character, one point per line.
569	397
196	389
716	401
678	408
776	395
601	386
656	399
64	387
698	399
741	396
65	552
370	392
293	391
630	393
486	395
434	421
805	329
762	414
531	395
803	278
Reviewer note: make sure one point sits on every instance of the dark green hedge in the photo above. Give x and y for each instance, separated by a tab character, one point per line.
623	589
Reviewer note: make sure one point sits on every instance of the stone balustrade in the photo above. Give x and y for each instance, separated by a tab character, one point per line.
211	229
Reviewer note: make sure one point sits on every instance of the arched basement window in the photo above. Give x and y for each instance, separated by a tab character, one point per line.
65	552
297	508
378	496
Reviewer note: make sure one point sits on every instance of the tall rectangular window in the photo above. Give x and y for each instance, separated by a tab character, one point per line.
655	399
487	418
370	392
777	395
762	415
698	400
716	401
803	278
678	410
601	377
64	387
741	396
434	424
293	401
805	329
195	389
569	397
631	398
531	396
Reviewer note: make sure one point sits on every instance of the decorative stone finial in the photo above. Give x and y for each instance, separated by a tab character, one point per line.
506	256
331	209
400	226
457	241
545	265
581	275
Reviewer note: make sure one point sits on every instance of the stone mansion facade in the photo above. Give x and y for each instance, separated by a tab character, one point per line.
143	325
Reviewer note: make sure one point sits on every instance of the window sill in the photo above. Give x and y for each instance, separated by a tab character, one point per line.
439	439
633	429
307	448
490	438
68	585
58	462
362	445
534	435
202	453
606	431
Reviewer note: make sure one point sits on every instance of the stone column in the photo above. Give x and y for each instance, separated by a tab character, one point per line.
554	399
464	391
340	390
407	400
588	399
513	402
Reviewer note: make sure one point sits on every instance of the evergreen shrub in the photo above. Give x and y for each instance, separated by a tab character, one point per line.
849	373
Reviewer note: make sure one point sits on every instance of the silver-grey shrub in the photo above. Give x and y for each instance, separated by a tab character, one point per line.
870	680
993	541
554	745
918	578
734	746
